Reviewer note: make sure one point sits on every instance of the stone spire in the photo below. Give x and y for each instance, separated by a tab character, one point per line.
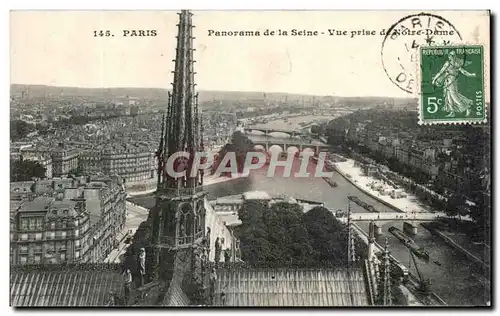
176	224
178	218
183	129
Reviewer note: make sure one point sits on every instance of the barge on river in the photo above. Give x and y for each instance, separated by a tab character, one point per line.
330	182
408	242
363	204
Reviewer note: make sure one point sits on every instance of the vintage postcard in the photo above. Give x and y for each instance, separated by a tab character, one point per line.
250	158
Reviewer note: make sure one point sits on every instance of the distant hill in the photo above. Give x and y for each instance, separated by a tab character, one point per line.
37	91
40	91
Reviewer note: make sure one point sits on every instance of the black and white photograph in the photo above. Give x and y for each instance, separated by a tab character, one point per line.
278	158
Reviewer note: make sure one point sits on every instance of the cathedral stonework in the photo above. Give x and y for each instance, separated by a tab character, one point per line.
178	218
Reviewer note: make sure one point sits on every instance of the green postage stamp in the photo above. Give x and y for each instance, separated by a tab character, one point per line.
452	87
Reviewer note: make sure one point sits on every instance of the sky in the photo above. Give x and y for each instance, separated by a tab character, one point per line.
59	48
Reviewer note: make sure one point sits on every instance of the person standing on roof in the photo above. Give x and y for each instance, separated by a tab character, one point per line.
127	281
111	301
142	265
218	249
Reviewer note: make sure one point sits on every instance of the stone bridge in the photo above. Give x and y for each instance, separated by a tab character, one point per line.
389	216
268	131
410	220
290	146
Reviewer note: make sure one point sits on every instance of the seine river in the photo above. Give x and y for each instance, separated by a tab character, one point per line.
455	280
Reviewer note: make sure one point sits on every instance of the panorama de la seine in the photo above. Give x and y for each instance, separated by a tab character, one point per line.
401	220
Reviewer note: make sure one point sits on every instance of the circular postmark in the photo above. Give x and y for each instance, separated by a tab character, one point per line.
402	42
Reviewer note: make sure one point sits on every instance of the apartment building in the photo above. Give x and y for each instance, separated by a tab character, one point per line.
64	160
65	220
133	163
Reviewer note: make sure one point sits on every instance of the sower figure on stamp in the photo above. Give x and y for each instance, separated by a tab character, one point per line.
454	101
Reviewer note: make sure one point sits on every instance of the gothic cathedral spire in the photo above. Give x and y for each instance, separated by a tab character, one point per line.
182	132
178	218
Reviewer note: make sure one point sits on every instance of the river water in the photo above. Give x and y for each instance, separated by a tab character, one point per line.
455	280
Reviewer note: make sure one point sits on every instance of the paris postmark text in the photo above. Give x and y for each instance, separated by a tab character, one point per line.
403	39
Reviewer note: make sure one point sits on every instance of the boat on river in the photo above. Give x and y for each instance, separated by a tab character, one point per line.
330	182
363	204
408	242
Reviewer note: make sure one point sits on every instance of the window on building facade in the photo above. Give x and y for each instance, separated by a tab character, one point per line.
38	223
24	236
63	257
31	224
23	259
38	236
51	235
61	246
24	224
63	234
77	254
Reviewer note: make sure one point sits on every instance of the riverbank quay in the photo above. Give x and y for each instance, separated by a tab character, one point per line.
398	177
434	198
355	176
208	180
458	241
477	253
406	203
143	188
